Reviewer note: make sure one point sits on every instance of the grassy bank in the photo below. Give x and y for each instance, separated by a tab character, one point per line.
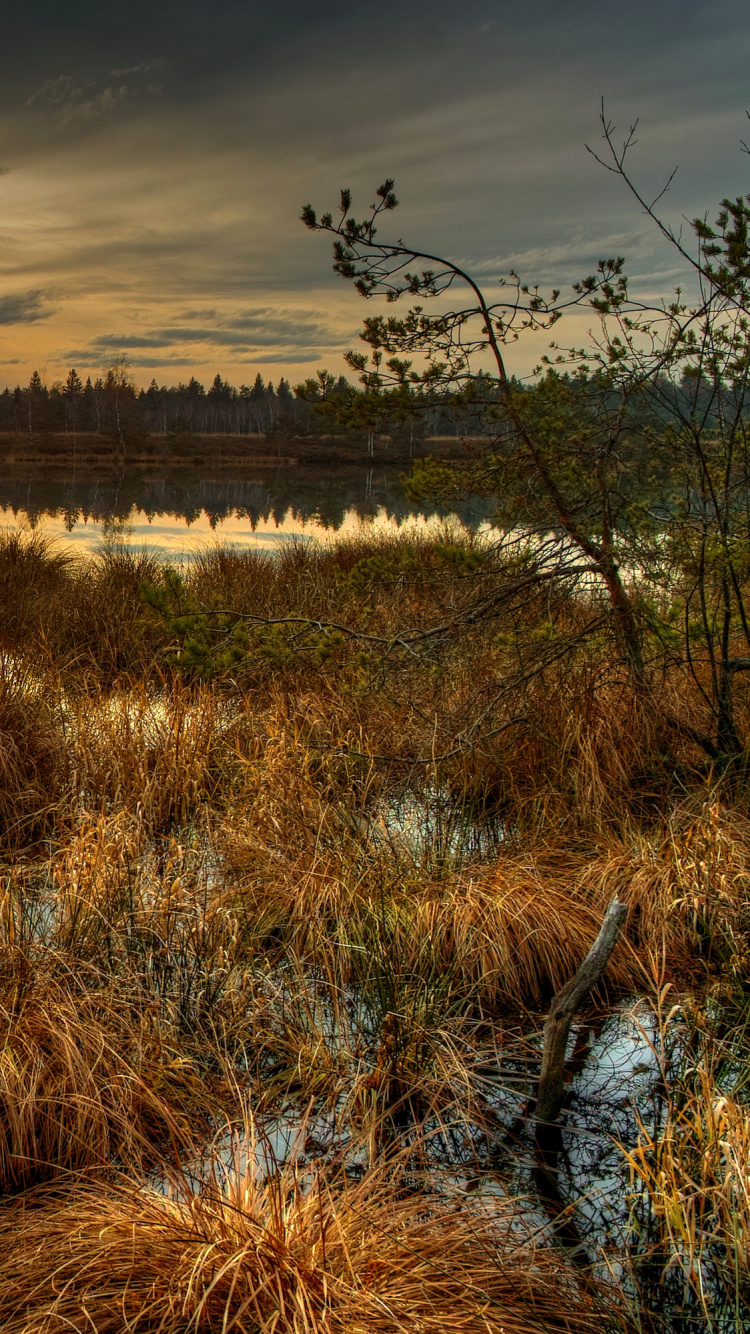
282	908
67	449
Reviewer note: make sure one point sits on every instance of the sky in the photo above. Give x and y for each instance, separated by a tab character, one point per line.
154	157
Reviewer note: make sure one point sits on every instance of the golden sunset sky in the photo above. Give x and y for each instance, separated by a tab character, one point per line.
155	156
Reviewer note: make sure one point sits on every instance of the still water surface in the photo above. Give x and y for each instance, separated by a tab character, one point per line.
179	511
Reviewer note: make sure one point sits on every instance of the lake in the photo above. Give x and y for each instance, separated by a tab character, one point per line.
178	509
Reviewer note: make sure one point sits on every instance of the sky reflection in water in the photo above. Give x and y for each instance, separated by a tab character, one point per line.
176	539
180	513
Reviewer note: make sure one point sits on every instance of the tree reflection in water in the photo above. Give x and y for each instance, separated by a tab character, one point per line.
175	506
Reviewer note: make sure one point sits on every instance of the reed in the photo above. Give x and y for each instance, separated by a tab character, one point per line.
497	936
517	935
382	1056
690	1177
34	575
285	1255
686	883
77	1086
146	914
151	752
32	756
105	629
77	614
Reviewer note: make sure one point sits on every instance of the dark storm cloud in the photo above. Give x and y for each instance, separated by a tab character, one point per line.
334	66
24	308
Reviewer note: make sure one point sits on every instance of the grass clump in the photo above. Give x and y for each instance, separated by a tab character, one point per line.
285	1256
78	1091
32	756
689	1185
155	753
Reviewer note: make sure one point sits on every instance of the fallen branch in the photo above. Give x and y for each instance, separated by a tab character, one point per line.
568	1000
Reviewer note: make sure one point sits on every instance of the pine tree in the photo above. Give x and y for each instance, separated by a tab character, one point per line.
221	391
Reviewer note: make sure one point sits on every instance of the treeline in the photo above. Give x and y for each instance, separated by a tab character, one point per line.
325	408
112	405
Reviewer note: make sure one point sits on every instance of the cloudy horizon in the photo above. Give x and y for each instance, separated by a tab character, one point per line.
155	156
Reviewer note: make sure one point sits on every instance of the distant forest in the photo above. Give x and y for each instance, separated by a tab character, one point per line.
112	405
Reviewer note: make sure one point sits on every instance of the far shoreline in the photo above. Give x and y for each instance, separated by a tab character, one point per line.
66	451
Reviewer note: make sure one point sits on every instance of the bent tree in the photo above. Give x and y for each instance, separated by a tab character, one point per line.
622	465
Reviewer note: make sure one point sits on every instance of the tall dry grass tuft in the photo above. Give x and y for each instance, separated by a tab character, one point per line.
576	751
32	760
690	1177
516	936
148	912
240	581
79	614
392	573
107	628
154	752
307	862
76	1089
687	884
294	845
695	1175
288	1256
96	881
34	576
495	937
487	942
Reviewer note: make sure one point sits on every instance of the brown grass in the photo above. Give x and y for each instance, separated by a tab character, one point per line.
695	1175
150	752
686	884
105	630
80	615
518	936
34	574
32	759
200	880
285	1257
503	936
690	1174
78	1082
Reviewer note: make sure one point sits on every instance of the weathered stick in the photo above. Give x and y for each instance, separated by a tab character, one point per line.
562	1012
